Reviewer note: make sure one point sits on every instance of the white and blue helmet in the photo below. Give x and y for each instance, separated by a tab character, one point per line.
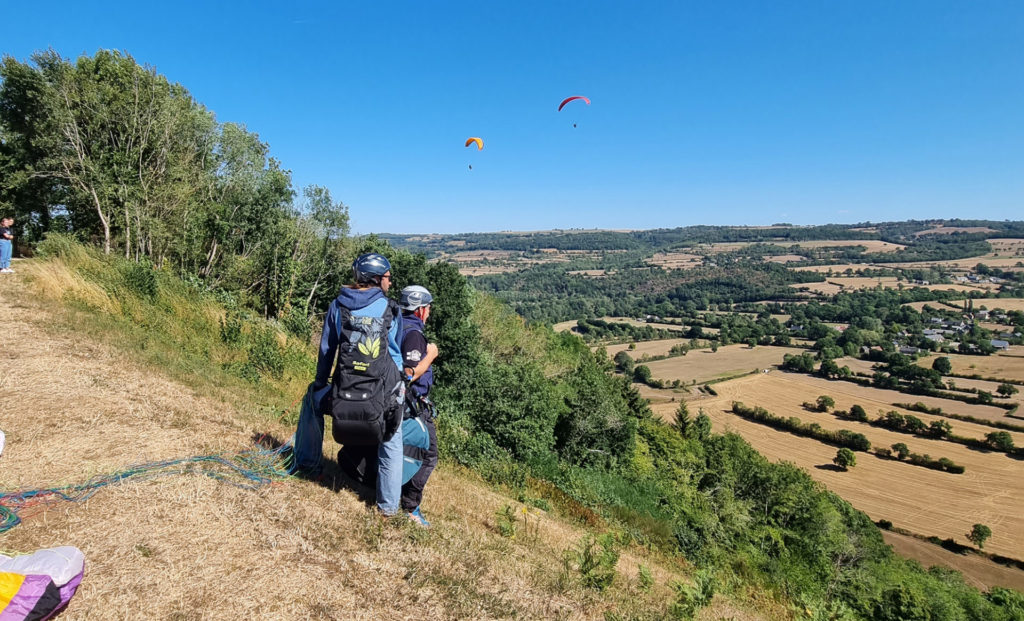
415	296
370	267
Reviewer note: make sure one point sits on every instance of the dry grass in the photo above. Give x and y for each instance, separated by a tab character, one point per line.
188	547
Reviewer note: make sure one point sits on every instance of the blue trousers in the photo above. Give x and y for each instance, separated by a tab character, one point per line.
308	444
6	248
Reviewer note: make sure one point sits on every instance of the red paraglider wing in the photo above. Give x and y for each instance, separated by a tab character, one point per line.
568	99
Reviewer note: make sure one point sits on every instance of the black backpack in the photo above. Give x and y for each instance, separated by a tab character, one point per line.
367	393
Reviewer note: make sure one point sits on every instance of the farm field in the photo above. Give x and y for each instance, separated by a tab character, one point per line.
823	288
1002	262
978	571
865	366
704	365
1011	246
872	245
835	269
676	260
650	348
919	306
990	491
785	258
1002	366
864	282
1003	303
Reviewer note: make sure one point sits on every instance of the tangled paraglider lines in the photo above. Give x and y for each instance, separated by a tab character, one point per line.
247	470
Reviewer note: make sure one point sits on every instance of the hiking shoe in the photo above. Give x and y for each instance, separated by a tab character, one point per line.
418	518
6	270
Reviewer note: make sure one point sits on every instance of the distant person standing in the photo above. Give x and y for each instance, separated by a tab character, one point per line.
418	355
6	245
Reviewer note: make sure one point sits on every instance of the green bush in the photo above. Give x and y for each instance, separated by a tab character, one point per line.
264	352
594	559
140	278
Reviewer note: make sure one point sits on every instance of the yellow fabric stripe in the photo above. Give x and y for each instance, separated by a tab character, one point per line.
9	586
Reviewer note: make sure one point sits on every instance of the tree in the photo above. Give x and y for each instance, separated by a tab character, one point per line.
825	403
1006	390
624	362
682	419
642	374
845	459
939	428
857	413
979	535
1000	440
901	450
701	427
942	365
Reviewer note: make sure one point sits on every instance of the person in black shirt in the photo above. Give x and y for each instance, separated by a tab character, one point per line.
6	245
418	355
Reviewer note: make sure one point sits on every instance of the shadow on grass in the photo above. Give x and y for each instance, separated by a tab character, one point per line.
331	475
832	467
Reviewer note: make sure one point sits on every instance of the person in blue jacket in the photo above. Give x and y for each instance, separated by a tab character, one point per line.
366	298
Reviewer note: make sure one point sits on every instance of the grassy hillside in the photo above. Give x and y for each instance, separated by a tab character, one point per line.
556	483
106	367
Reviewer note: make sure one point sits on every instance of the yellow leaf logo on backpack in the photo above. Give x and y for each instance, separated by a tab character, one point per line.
370	347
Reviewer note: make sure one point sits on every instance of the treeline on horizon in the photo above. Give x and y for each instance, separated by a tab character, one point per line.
188	209
680	238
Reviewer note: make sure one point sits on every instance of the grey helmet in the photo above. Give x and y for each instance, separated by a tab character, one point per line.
370	267
415	296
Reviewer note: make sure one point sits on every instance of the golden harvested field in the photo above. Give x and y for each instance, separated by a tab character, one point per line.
962	287
919	306
469	256
651	348
1010	246
835	269
591	273
823	288
977	570
864	282
991	491
1003	303
676	260
704	365
946	230
490	269
1002	366
872	245
1002	262
785	258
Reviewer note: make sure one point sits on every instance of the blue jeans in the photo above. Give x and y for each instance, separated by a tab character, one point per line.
6	248
389	474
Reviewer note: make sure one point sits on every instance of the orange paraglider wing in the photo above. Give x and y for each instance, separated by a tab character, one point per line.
479	143
573	98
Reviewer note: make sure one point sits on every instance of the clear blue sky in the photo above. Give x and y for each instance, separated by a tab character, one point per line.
703	113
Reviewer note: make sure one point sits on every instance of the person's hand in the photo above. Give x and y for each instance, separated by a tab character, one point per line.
432	350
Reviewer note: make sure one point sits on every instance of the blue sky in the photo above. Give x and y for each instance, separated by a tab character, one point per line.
703	113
